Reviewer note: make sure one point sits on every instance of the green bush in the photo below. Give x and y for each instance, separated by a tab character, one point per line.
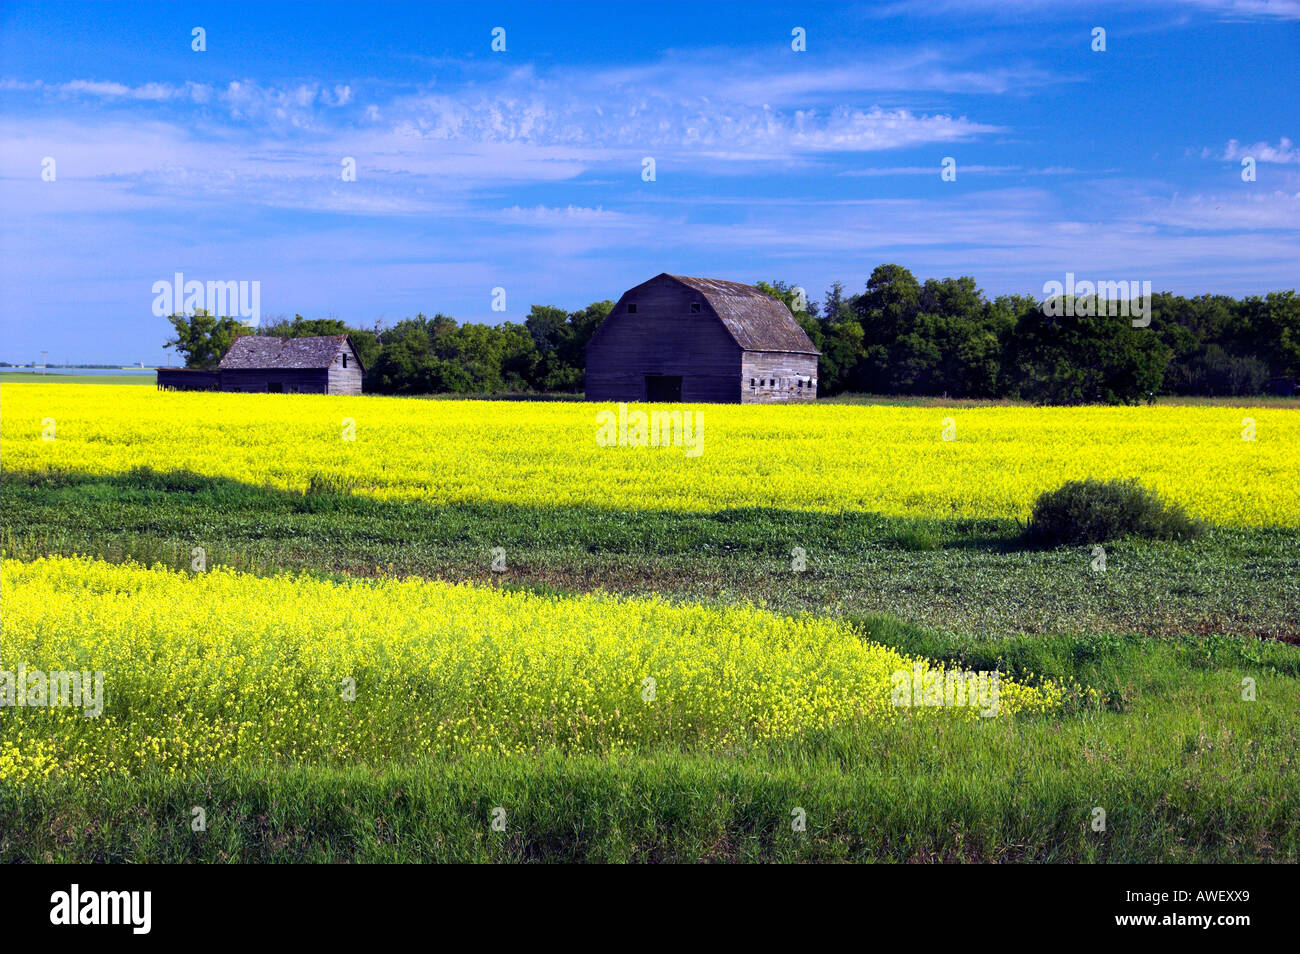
333	485
916	539
1094	511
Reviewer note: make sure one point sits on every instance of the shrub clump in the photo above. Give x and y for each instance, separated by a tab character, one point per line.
335	485
1094	511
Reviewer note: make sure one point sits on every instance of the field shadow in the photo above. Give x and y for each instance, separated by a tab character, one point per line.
145	500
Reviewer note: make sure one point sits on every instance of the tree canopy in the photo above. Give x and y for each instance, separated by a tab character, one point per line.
897	336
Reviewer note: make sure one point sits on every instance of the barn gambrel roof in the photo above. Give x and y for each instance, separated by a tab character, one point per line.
757	321
257	352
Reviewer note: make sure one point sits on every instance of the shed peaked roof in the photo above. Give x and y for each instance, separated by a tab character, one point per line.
253	352
757	321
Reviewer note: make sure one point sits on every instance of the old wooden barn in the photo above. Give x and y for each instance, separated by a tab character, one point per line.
260	363
675	338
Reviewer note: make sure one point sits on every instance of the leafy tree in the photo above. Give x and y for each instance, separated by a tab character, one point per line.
886	311
841	348
561	339
404	360
1276	323
302	327
203	338
889	305
1085	358
519	357
550	330
837	306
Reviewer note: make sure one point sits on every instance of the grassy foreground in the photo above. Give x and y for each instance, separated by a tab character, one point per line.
1184	768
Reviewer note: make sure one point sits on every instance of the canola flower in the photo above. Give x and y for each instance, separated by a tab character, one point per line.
886	459
203	670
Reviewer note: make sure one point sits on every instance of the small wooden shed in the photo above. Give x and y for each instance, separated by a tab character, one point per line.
322	365
675	338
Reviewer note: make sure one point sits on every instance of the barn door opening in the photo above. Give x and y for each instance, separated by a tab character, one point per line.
274	387
663	388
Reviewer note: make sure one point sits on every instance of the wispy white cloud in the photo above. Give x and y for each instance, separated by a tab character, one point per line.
1244	210
1283	152
105	89
182	145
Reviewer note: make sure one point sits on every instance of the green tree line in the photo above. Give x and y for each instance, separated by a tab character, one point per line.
897	336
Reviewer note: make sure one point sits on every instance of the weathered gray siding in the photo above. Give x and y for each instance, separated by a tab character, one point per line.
663	338
292	380
345	380
775	377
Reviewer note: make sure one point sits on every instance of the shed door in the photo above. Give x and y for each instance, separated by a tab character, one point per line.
663	388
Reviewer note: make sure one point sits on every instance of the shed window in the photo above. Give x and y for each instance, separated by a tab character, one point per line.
695	308
631	308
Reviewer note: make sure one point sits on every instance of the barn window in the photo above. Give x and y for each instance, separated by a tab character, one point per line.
695	308
800	384
751	383
345	359
631	308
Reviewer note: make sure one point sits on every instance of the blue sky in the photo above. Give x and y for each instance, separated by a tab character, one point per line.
523	169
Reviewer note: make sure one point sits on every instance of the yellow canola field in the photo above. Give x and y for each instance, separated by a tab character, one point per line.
887	459
201	670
